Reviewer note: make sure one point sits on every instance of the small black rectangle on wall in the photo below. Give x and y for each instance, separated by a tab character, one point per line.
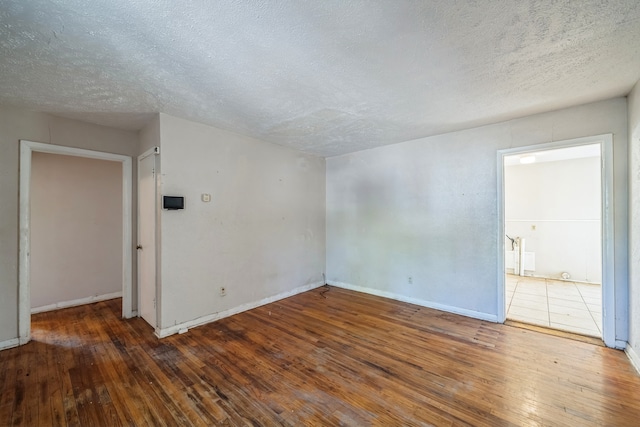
173	202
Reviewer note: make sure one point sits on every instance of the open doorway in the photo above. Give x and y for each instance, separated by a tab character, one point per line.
553	256
606	326
76	231
27	149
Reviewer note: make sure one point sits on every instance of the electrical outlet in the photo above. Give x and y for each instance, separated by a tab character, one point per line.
410	280
223	291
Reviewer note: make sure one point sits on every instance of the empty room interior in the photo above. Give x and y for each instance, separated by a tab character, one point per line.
320	213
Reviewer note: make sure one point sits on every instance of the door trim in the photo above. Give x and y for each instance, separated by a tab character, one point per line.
24	251
607	223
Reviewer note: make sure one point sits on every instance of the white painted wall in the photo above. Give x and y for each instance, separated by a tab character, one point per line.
427	209
634	231
556	207
39	127
76	229
149	135
262	234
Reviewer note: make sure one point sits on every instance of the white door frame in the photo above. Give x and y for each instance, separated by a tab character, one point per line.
24	273
154	151
607	221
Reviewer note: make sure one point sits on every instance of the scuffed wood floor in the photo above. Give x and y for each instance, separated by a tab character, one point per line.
347	359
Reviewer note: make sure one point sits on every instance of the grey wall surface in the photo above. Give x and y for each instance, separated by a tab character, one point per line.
634	232
39	127
150	135
262	234
419	219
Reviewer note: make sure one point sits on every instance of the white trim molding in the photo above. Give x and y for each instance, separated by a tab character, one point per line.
620	345
183	327
633	357
10	343
76	302
429	304
150	151
24	276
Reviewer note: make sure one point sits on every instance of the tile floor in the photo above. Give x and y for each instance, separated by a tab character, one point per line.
558	304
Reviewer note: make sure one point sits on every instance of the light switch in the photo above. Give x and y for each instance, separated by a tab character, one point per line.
206	197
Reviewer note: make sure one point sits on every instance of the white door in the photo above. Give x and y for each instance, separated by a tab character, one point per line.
147	238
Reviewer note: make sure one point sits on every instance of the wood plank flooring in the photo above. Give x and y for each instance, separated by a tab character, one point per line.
342	358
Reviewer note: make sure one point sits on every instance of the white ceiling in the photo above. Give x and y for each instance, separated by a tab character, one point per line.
326	77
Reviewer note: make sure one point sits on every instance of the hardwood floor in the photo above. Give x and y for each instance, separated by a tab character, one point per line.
347	359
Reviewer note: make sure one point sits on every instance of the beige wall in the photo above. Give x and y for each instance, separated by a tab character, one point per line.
262	234
76	228
39	127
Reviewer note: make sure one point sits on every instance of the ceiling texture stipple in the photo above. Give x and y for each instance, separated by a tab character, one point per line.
325	77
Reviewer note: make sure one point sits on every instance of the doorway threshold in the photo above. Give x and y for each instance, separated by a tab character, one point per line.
556	332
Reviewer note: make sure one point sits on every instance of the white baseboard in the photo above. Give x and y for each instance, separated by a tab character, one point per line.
633	357
442	307
14	342
76	302
185	326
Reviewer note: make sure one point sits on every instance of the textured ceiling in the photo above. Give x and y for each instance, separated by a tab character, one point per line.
326	77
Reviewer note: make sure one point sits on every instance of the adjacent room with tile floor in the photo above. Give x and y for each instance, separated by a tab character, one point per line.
564	305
